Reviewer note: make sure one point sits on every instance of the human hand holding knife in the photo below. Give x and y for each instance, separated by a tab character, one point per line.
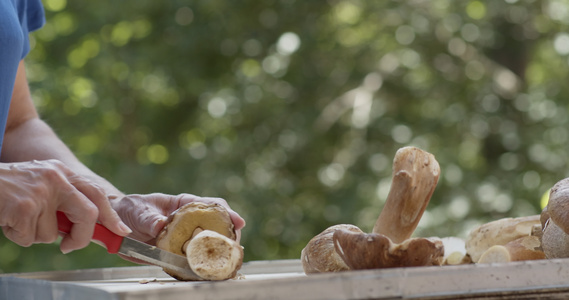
126	246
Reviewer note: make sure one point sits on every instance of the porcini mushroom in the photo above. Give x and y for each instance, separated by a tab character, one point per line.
376	251
524	248
213	256
555	222
319	254
186	224
499	232
415	175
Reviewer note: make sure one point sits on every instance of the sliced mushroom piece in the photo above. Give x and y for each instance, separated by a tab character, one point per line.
498	232
524	248
186	220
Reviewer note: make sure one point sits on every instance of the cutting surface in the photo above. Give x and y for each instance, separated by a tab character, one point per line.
284	279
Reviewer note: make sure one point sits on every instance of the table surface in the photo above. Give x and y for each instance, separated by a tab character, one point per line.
285	279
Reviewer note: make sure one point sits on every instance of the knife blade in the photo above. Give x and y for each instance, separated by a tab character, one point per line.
126	246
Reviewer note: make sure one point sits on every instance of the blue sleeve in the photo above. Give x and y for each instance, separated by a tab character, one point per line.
32	18
17	19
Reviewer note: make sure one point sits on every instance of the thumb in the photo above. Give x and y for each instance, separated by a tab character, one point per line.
146	224
110	219
157	225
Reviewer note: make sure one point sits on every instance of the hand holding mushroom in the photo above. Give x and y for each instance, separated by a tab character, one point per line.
147	214
205	230
345	247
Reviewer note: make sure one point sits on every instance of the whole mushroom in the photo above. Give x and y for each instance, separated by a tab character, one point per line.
555	222
415	175
319	254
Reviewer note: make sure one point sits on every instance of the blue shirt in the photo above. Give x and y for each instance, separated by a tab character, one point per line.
17	19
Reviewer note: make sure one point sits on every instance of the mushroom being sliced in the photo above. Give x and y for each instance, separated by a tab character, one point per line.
214	256
415	176
205	230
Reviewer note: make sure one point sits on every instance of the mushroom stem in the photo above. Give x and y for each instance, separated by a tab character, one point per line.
187	223
415	176
196	232
213	256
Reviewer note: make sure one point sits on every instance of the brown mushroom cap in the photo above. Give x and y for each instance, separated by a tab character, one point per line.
183	222
543	217
372	251
554	241
558	205
319	254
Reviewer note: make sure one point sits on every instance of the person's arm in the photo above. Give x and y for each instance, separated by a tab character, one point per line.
28	138
39	175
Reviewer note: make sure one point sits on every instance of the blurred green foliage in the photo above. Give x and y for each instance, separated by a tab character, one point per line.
293	110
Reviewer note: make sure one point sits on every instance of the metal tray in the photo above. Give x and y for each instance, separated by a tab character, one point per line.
284	279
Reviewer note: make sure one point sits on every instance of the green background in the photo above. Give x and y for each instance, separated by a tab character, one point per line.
292	111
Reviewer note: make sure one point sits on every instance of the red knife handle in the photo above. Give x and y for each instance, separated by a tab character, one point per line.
111	241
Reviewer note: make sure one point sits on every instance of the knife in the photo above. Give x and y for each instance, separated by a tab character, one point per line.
126	246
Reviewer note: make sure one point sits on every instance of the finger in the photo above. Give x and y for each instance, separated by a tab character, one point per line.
20	222
16	236
46	226
141	213
157	225
79	236
107	215
83	214
238	221
150	223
